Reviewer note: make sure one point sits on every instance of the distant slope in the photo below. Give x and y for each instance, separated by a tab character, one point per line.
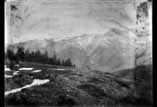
110	51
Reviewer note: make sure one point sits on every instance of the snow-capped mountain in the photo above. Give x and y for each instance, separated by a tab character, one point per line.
113	49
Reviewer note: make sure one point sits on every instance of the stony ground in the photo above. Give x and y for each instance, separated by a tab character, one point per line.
71	87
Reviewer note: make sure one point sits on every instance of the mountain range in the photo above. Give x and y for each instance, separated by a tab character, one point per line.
109	51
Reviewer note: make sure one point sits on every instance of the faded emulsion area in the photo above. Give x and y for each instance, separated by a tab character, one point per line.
78	53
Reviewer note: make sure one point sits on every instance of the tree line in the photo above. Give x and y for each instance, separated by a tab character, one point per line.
37	56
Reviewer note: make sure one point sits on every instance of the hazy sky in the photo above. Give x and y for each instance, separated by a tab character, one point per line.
58	19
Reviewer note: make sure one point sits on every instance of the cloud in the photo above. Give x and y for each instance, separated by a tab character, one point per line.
65	18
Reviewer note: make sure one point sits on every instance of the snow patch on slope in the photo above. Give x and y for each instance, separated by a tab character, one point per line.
35	82
26	69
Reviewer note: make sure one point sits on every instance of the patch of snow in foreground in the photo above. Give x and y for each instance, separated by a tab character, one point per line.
8	76
36	71
17	65
6	69
26	69
35	82
59	69
16	72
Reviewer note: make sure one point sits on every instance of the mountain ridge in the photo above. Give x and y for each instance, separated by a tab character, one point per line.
110	50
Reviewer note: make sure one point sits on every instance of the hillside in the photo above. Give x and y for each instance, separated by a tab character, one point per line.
72	87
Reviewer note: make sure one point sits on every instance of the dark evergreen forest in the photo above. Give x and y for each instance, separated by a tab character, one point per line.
37	56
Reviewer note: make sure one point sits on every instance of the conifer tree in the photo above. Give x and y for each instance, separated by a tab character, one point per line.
20	54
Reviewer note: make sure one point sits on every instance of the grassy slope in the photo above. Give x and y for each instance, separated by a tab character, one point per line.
76	88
